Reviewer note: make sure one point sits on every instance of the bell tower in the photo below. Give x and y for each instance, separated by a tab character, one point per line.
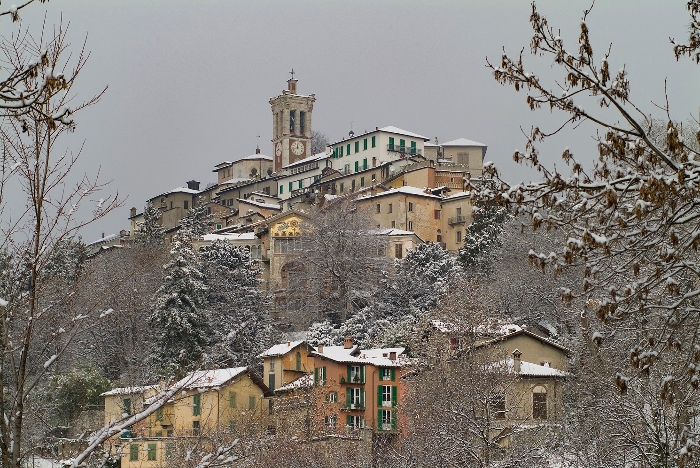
291	125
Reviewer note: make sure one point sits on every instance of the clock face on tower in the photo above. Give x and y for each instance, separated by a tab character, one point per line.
298	148
278	149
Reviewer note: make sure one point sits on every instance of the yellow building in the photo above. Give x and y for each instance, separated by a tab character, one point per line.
286	362
212	403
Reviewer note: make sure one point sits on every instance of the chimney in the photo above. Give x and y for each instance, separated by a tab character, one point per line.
289	343
376	128
257	150
392	355
516	360
103	235
193	185
320	349
292	88
133	212
349	341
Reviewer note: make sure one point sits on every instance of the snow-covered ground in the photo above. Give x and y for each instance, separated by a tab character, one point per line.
42	463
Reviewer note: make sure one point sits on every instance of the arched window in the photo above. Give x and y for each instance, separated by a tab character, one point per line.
298	361
539	402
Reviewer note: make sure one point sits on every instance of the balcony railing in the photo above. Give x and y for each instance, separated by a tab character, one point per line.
404	149
457	220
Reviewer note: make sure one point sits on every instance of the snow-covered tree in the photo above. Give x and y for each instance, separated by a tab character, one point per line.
483	237
631	222
150	232
319	141
179	320
323	333
67	260
197	221
239	316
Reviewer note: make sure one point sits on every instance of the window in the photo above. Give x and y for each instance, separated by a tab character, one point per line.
218	226
402	145
281	190
437	214
347	148
387	395
291	186
356	422
439	238
357	146
357	166
127	405
355	398
251	402
196	405
391	208
364	164
292	117
379	207
459	236
362	181
151	452
539	402
387	373
346	169
133	452
331	421
335	153
410	206
463	158
187	204
159	433
499	406
232	399
364	144
320	375
393	224
410	225
386	420
398	250
356	374
391	143
413	147
374	142
272	364
459	212
353	184
341	151
302	122
159	414
232	425
271	381
195	428
301	184
298	361
332	397
374	177
341	187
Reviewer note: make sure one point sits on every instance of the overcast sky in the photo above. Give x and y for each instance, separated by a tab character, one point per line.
189	81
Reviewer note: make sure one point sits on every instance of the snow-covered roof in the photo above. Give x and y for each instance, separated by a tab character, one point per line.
462	142
235	180
280	349
108	238
129	390
257	156
378	357
176	190
522	331
312	158
407	190
230	236
459	195
400	131
394	232
536	370
305	381
210	378
269	206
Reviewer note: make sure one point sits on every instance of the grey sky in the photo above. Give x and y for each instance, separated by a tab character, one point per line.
189	81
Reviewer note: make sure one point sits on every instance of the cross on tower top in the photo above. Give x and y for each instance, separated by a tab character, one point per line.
292	73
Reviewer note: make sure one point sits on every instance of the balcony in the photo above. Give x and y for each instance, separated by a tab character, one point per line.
405	150
460	219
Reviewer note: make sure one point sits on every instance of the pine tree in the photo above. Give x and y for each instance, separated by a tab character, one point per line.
239	319
483	237
150	232
197	221
67	260
180	320
323	333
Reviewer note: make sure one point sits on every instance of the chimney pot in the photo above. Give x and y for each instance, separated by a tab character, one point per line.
376	128
348	343
516	360
392	355
289	343
320	348
133	211
103	235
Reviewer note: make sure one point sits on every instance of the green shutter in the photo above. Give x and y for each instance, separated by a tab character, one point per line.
364	144
326	397
281	190
349	420
402	144
196	404
301	184
127	405
133	452
362	181
379	419
357	166
271	380
374	141
379	395
413	147
151	452
324	374
291	187
232	399
393	395
348	149
391	142
335	395
335	152
348	397
393	420
393	374
349	373
362	398
159	414
357	146
315	375
364	163
362	374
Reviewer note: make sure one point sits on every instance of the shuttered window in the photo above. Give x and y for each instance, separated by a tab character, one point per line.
196	405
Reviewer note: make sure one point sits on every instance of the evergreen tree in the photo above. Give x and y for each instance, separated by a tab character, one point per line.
196	222
239	319
150	232
180	320
323	333
67	260
483	237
